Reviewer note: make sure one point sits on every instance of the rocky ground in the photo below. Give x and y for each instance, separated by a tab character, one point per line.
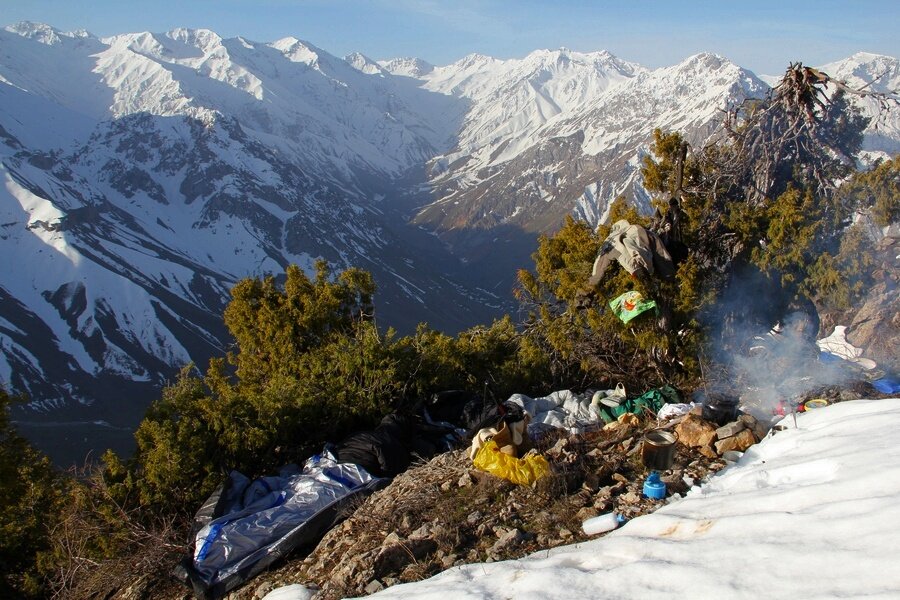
445	512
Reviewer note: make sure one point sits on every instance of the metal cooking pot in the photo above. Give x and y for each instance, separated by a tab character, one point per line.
658	449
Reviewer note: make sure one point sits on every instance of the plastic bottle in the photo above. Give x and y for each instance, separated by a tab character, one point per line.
602	523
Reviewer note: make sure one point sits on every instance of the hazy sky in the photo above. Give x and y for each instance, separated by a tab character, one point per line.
761	35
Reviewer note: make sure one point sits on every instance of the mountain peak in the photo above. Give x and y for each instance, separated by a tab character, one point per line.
408	66
200	38
43	33
475	60
864	67
709	60
297	50
601	60
363	63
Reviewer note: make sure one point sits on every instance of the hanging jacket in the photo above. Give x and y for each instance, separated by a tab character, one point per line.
635	248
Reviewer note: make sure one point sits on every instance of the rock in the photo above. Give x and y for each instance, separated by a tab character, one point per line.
675	483
875	327
739	442
759	428
263	589
428	530
748	420
474	517
696	432
620	478
448	561
391	538
396	556
465	481
602	504
565	534
846	395
731	429
374	586
630	498
511	538
446	486
582	498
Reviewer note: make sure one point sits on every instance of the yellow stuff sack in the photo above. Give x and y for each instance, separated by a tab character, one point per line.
522	471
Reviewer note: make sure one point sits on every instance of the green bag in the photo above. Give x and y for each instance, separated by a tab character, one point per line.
631	304
653	400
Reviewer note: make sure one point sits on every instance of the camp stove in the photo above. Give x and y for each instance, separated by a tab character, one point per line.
657	454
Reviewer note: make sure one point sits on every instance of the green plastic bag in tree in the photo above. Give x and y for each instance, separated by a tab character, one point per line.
631	304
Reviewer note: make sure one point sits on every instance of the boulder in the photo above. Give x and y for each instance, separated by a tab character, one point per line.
876	326
696	432
740	442
731	429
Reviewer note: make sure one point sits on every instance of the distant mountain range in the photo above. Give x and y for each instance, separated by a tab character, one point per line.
144	174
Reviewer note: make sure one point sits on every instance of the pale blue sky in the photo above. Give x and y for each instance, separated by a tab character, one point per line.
762	35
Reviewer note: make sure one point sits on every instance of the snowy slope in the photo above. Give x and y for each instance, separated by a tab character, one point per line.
578	160
877	73
808	513
148	173
512	99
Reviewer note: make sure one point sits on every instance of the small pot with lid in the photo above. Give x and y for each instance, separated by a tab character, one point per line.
658	449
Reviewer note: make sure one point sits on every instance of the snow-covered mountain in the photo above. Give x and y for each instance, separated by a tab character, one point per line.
578	158
879	74
143	174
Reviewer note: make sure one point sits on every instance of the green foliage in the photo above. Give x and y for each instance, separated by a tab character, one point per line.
497	356
274	327
876	192
30	497
310	367
658	172
584	346
839	281
562	263
794	235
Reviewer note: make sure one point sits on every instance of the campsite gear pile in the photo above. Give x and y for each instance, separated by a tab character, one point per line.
246	525
467	515
613	406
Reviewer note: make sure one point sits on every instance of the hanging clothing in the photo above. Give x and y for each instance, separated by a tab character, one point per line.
636	249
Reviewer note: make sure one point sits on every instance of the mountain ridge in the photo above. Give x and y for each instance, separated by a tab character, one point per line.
144	174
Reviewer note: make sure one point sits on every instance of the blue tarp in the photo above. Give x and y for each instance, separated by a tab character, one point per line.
250	524
887	385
